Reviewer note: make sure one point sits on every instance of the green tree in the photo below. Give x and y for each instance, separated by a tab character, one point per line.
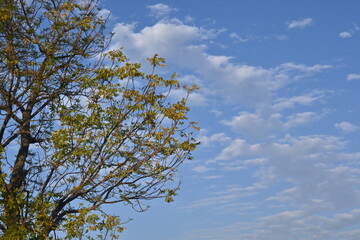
80	127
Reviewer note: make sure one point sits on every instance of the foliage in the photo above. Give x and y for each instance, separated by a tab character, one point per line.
80	127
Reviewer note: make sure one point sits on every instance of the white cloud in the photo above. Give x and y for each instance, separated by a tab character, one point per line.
350	32
343	220
180	44
304	68
194	99
281	37
347	127
285	225
255	161
237	165
307	99
160	38
249	37
189	19
227	199
301	23
267	122
185	47
189	79
238	38
238	148
213	177
303	225
217	138
216	112
318	185
301	119
345	34
352	76
160	10
201	169
255	126
307	162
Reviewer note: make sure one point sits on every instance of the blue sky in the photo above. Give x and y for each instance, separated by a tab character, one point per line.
279	113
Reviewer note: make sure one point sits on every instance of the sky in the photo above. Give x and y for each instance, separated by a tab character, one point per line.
278	108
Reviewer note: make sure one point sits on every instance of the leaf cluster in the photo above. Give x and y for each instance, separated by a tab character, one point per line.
81	128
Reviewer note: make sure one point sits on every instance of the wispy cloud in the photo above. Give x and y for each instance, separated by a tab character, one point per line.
304	68
201	169
160	10
227	199
353	76
285	225
281	104
237	38
307	162
306	22
249	37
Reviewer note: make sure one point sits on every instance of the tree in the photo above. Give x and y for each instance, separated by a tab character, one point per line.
81	127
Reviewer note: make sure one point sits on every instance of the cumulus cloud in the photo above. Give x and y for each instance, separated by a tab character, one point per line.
160	10
180	44
300	23
347	127
350	32
186	46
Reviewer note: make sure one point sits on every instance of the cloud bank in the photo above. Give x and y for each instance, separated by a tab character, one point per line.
302	185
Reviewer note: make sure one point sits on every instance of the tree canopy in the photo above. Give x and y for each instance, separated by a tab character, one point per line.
81	126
